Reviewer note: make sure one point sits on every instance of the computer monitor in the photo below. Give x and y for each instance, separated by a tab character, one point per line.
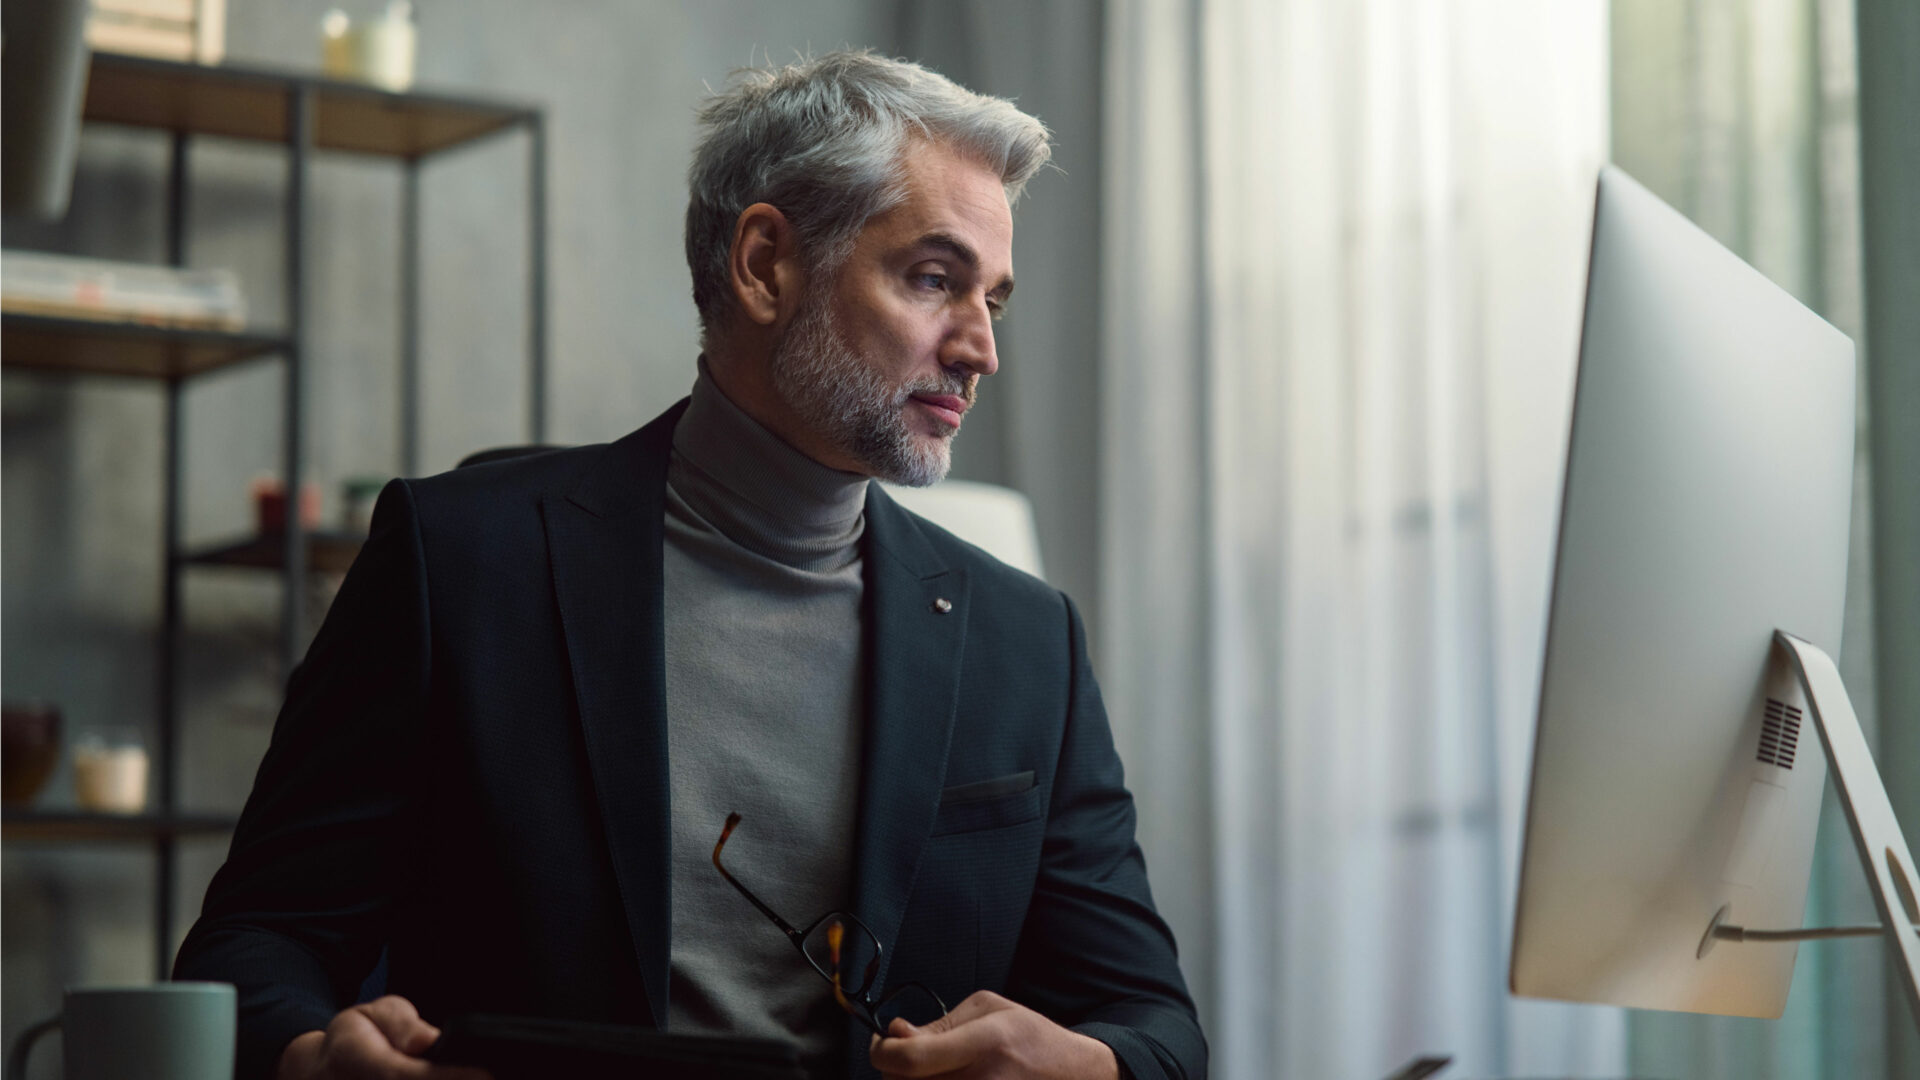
1677	776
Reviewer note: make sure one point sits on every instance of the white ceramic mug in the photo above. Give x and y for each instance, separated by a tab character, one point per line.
166	1031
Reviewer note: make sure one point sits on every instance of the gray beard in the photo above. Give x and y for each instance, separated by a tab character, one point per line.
839	395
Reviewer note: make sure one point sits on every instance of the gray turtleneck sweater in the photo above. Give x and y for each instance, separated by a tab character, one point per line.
764	713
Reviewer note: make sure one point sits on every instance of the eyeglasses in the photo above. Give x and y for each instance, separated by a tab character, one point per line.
846	954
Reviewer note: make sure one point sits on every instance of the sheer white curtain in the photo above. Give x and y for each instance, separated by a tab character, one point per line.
1345	252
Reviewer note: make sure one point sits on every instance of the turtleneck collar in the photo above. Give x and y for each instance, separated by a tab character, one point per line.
758	491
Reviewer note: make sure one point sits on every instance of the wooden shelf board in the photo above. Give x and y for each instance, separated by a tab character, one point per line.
88	347
22	825
251	103
326	552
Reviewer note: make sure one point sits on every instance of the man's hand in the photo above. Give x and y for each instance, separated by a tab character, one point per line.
987	1037
381	1040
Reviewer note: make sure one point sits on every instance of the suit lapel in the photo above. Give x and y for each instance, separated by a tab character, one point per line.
914	655
605	534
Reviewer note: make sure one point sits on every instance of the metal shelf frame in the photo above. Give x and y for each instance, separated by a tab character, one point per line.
305	114
70	346
64	827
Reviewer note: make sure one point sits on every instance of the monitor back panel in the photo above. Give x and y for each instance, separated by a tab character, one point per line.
1706	504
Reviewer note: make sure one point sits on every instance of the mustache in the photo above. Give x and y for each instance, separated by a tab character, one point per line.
965	387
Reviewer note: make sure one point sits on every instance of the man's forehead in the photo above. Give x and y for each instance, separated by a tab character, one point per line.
952	200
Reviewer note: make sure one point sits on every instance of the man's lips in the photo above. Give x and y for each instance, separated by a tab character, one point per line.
948	407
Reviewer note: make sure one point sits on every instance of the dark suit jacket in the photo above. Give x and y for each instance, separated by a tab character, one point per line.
470	772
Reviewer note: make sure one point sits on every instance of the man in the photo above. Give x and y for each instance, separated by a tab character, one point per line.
549	681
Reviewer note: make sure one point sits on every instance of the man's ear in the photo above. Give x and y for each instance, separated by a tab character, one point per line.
763	266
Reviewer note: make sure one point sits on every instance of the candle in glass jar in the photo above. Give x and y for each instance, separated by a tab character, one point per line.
110	775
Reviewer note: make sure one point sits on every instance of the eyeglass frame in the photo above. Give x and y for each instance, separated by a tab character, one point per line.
866	1013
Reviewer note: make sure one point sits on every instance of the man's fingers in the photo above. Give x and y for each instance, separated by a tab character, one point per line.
400	1022
978	1004
928	1052
384	1039
373	1057
962	1039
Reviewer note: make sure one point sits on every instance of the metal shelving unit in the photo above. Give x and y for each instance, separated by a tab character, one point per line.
305	114
327	552
80	346
75	827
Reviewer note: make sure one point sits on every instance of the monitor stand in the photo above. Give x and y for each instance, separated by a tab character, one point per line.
1876	833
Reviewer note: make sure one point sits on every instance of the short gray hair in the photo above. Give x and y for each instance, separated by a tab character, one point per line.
822	140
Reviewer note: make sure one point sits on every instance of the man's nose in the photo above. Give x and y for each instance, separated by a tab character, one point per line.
971	344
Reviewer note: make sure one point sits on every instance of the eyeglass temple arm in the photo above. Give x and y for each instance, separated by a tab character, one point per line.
922	987
785	927
869	1011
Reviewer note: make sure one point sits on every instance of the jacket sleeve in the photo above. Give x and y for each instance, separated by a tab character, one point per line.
1094	952
297	915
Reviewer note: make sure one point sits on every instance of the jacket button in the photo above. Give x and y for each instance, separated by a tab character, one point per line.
942	605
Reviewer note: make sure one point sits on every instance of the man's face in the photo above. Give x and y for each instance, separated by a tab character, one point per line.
883	359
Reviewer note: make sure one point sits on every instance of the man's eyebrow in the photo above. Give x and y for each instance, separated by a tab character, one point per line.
966	256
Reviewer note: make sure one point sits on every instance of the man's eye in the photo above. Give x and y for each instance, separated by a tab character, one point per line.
931	281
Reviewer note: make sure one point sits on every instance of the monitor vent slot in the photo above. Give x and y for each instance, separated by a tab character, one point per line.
1780	737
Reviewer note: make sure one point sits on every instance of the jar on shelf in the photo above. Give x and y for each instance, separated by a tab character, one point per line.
110	770
29	749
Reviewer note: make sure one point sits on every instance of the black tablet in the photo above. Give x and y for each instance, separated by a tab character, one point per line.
524	1047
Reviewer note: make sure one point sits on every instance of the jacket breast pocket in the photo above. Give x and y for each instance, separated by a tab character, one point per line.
989	804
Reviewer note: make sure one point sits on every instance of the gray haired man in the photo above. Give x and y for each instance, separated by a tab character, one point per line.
552	683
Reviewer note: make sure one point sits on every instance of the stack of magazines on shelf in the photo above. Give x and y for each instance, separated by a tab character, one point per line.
34	283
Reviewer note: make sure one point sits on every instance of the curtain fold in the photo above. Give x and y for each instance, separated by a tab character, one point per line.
1154	639
1344	260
